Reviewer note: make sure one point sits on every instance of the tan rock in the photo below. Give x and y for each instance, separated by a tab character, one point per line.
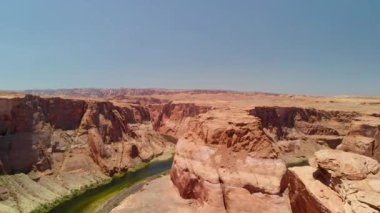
240	200
363	139
370	198
362	129
358	144
172	116
223	160
346	165
353	177
310	195
236	167
289	122
4	194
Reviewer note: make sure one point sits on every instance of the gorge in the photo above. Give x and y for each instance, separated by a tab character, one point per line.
233	152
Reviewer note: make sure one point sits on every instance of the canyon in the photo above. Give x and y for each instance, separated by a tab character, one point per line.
233	151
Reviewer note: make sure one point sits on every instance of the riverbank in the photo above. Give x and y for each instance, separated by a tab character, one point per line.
95	199
49	206
116	200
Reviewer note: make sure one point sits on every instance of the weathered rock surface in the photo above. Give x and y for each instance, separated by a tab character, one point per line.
38	129
339	182
361	139
280	121
308	194
64	145
346	165
227	161
299	132
358	144
172	118
228	164
227	157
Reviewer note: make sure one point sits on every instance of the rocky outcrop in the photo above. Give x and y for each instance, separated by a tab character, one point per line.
299	132
338	182
346	165
61	145
361	139
280	121
227	159
358	144
36	128
227	162
308	194
172	118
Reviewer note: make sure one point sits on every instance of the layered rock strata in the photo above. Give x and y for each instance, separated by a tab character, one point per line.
299	132
51	147
228	160
229	164
173	118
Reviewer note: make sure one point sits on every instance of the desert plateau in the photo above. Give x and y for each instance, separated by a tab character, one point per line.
233	151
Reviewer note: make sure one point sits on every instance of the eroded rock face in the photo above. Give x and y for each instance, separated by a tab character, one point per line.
73	142
171	118
346	165
358	144
229	164
308	194
299	132
227	159
281	120
339	182
361	139
34	129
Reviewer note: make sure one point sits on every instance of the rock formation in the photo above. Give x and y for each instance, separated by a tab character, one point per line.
52	146
227	162
361	139
338	182
232	152
302	131
172	118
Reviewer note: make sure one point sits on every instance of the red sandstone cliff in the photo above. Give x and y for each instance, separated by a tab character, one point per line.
310	130
172	118
228	159
52	146
226	162
36	132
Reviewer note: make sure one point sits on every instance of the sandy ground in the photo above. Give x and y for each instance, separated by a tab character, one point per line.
149	199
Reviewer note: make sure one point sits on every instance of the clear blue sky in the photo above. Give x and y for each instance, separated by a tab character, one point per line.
324	47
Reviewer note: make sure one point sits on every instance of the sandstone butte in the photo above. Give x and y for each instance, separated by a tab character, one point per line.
234	152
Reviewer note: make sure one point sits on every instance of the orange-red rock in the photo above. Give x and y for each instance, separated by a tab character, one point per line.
225	159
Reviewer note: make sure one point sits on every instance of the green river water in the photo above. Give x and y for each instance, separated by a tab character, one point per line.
92	199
